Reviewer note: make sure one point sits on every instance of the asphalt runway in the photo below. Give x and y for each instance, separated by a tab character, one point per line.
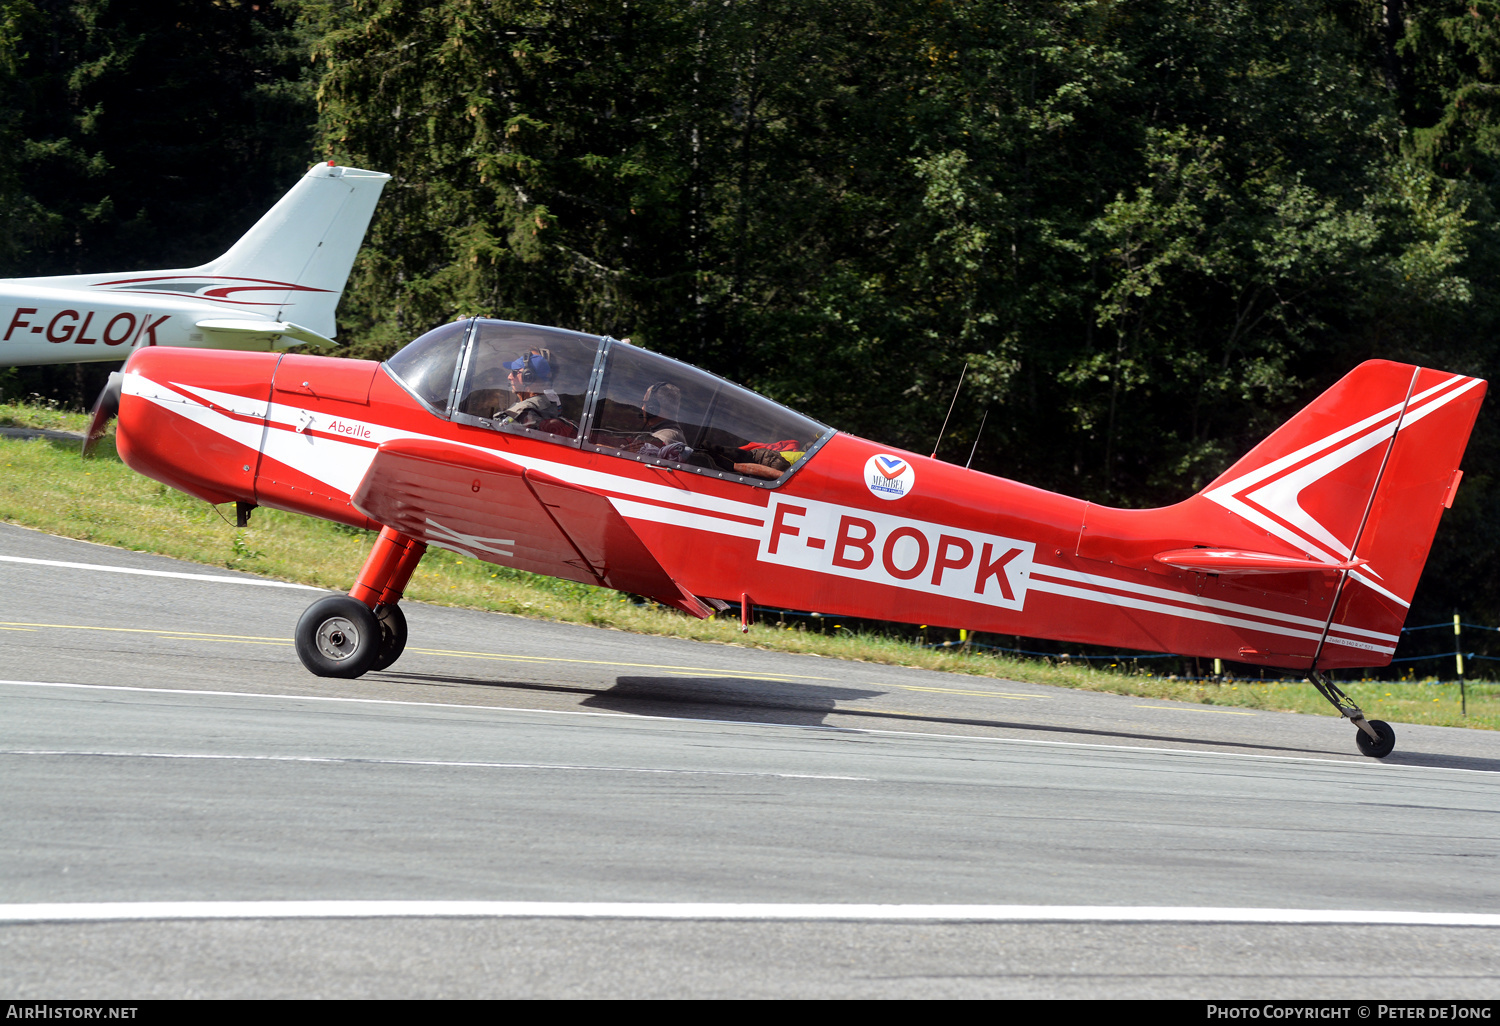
160	742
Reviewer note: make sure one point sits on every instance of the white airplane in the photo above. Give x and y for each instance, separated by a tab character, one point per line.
277	287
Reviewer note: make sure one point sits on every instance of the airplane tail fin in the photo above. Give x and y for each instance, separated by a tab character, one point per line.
302	249
1358	481
280	284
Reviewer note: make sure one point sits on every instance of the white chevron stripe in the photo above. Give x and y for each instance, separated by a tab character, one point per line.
1276	504
683	518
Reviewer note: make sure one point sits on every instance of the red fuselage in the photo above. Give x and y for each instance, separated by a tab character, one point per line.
854	528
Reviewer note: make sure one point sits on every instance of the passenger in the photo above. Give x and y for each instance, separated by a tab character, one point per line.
531	381
660	435
660	408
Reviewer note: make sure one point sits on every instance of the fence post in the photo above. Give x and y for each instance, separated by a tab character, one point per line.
1458	659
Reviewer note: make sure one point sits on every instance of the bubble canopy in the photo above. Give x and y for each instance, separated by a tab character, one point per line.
598	393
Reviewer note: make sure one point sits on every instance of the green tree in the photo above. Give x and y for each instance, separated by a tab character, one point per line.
141	135
1149	230
147	134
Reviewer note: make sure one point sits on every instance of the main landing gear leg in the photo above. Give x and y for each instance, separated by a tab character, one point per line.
349	635
1375	738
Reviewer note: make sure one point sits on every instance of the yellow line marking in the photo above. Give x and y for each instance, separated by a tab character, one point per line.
225	641
138	630
956	691
604	662
1189	708
204	636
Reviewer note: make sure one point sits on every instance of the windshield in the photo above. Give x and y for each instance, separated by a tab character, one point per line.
426	364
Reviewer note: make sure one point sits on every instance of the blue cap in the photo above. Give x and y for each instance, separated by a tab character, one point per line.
534	363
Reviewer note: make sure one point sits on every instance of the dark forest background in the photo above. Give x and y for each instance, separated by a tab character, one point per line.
1152	229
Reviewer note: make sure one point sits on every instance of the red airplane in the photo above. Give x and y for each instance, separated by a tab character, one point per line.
594	460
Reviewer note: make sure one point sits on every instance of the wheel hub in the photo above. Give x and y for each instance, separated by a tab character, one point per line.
337	638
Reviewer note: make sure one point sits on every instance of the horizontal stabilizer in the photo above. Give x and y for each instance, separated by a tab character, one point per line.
284	329
1233	561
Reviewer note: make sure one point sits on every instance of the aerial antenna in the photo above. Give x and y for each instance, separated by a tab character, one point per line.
950	409
976	437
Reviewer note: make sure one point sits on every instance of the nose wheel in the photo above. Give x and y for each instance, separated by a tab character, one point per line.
350	635
340	637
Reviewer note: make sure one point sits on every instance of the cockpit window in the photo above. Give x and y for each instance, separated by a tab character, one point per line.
526	377
534	380
654	407
426	364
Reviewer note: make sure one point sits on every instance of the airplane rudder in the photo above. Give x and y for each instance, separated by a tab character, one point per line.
331	260
1420	480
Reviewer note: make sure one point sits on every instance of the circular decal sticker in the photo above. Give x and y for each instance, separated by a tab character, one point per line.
889	477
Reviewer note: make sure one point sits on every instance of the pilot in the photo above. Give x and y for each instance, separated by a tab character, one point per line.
531	380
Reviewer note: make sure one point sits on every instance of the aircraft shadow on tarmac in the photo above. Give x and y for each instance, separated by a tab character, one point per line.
713	698
758	700
718	698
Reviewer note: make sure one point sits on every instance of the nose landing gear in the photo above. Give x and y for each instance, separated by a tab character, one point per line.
392	635
338	637
349	635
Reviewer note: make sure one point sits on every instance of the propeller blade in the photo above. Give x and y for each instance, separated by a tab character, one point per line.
106	407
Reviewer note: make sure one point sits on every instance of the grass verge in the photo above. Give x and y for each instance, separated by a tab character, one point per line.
45	485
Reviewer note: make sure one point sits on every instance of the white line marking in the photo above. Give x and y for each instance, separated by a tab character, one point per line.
107	911
364	760
211	578
1366	765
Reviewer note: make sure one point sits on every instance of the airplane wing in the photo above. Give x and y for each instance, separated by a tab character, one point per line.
482	505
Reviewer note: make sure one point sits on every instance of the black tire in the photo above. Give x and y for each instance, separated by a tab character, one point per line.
392	636
338	637
1376	749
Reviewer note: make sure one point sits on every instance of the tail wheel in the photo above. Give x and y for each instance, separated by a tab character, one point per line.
392	636
338	637
1376	749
